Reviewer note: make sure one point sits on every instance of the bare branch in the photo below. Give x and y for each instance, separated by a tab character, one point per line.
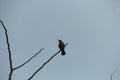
43	65
28	59
66	44
111	76
8	48
9	51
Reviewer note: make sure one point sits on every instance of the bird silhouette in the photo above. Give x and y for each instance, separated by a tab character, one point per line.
61	46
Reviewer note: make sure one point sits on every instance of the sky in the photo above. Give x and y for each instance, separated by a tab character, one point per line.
91	28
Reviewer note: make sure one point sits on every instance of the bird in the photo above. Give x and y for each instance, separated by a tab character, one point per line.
61	46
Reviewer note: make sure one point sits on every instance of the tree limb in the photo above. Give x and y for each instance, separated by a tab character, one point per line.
28	59
43	65
9	50
111	76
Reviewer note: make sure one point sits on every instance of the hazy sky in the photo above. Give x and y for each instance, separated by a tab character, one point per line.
91	27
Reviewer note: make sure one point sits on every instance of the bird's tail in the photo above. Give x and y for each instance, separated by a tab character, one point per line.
63	53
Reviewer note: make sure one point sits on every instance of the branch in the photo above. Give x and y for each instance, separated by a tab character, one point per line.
8	48
9	51
111	76
43	65
28	59
66	44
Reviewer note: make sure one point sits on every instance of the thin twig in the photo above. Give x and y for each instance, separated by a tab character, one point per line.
9	50
111	76
28	59
45	64
66	44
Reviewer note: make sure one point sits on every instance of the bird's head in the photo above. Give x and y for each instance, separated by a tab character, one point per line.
59	40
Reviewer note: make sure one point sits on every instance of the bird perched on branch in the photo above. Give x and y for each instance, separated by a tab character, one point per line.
61	45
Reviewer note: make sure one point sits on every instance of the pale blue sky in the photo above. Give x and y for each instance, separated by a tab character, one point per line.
91	27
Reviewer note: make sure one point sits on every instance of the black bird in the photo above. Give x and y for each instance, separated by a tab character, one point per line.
61	45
